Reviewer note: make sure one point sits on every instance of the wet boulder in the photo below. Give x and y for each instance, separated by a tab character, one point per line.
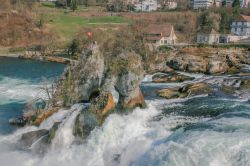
245	84
197	89
135	99
217	66
94	115
169	93
28	139
185	91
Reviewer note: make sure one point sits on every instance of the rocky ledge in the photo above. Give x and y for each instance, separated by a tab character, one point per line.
209	61
185	91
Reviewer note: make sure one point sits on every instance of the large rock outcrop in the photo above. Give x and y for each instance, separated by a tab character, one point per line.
106	83
94	74
82	79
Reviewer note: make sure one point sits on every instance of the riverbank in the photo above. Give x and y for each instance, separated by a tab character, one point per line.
10	55
22	55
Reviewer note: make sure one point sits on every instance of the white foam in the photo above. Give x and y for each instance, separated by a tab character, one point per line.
19	90
208	148
64	135
119	141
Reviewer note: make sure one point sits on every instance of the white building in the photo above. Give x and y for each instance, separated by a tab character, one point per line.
146	5
202	4
170	4
210	37
241	26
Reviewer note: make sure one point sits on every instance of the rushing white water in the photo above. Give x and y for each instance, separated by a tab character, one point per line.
64	135
19	90
137	139
122	139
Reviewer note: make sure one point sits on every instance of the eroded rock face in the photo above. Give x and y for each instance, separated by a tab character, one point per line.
128	81
83	78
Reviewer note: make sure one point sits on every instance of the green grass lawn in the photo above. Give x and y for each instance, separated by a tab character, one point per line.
66	24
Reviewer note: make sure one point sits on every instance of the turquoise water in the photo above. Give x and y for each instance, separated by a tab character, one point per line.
19	83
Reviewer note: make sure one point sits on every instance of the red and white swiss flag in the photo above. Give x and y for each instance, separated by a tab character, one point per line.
89	34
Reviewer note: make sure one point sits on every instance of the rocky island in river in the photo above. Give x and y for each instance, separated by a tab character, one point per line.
112	83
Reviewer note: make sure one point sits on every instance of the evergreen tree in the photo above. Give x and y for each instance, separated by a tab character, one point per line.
225	22
73	5
236	8
236	3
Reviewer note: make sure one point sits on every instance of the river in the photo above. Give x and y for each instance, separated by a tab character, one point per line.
206	130
20	82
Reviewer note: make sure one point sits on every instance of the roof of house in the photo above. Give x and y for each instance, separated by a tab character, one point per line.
164	30
243	18
153	38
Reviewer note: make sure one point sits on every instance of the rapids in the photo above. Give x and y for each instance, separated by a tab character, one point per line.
207	130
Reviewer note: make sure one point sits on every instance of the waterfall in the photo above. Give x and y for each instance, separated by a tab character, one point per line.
64	135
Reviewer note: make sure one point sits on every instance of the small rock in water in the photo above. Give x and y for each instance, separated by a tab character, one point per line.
20	121
173	77
187	90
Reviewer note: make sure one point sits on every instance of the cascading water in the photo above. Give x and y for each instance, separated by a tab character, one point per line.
202	130
158	135
64	135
